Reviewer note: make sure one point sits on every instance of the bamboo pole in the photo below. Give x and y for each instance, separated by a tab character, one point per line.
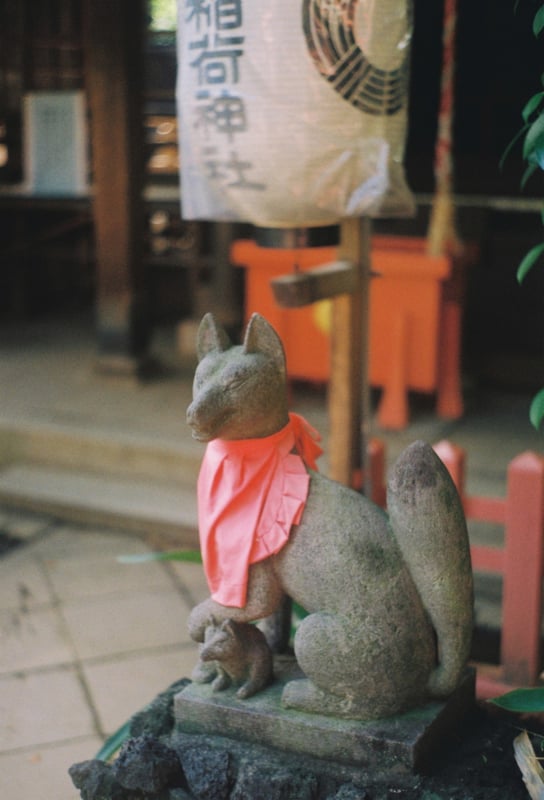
348	400
442	233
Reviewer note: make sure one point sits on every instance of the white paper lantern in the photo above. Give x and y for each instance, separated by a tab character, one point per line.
293	112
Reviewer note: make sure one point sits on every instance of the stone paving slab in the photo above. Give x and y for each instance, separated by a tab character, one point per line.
109	626
113	449
103	576
32	639
23	584
41	772
134	504
122	686
407	741
65	540
43	708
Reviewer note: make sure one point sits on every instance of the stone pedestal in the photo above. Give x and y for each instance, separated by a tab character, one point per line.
406	742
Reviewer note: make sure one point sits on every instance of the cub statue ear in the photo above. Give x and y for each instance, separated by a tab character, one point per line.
228	627
211	337
261	337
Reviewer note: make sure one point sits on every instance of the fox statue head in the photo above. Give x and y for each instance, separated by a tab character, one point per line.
239	391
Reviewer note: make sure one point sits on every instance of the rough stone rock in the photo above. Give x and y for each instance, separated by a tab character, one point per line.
96	781
157	718
278	784
207	770
350	792
477	763
147	765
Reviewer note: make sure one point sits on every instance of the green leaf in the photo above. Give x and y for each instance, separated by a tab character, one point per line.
533	146
188	556
536	411
532	256
509	147
538	21
114	742
531	105
522	701
531	169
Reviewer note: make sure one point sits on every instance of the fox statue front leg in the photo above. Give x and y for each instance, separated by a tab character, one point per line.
264	597
265	600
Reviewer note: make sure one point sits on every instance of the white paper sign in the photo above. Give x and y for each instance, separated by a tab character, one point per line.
293	112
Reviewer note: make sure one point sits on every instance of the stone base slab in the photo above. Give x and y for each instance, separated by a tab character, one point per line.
408	741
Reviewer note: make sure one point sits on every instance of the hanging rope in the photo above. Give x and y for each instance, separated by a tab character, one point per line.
442	235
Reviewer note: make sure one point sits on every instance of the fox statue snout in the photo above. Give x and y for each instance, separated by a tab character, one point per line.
201	424
388	596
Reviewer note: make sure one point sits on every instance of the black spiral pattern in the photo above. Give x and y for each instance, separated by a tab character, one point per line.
329	31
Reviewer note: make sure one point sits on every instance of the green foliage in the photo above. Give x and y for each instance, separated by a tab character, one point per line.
528	260
163	15
188	556
536	412
114	743
533	145
522	701
538	22
532	133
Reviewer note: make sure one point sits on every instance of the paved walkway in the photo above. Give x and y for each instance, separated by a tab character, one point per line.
85	641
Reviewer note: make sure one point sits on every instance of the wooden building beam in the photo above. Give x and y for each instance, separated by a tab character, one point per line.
114	50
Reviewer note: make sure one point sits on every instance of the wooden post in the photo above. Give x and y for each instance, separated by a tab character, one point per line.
376	467
523	567
348	402
114	38
223	303
453	458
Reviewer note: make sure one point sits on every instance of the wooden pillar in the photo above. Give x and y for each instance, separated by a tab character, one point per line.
114	41
348	389
223	303
521	639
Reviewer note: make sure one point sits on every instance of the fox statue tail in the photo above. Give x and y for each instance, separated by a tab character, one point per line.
427	518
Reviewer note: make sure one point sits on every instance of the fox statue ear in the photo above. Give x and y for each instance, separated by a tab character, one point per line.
210	337
261	337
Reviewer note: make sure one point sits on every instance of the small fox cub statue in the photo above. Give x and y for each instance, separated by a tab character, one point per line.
389	596
241	656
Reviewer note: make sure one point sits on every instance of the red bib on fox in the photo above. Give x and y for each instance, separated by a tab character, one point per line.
250	493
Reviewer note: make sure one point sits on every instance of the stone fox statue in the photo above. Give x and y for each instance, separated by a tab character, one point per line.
389	596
